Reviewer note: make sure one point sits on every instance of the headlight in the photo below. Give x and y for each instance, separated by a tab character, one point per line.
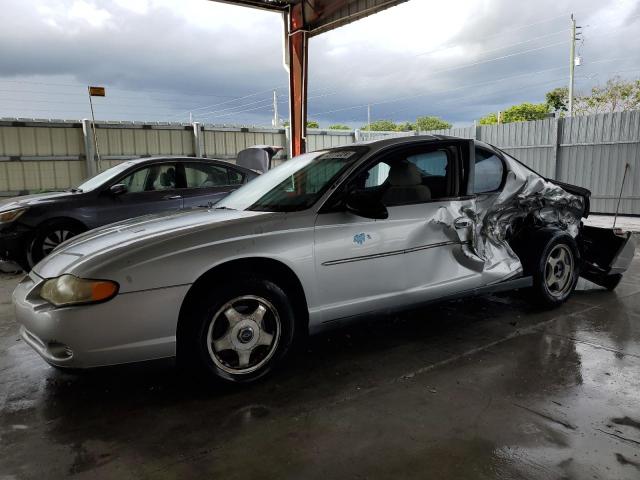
9	216
70	290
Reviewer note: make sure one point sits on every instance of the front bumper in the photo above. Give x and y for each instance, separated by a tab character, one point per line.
13	243
132	327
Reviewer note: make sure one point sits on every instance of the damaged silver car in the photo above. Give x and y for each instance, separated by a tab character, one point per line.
324	238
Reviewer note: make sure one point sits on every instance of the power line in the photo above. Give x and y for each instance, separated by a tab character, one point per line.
232	100
385	64
118	89
410	97
270	100
270	106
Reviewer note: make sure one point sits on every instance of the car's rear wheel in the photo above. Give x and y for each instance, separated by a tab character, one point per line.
557	269
48	237
239	333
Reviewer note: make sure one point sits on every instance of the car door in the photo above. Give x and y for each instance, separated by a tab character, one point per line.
413	255
207	182
149	189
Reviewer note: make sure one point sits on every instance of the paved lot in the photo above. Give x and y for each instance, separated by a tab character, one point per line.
481	388
630	224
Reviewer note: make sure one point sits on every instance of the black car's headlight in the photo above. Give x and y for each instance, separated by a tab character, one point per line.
68	290
9	216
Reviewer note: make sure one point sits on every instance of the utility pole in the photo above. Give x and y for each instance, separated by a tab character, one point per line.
572	62
369	117
276	120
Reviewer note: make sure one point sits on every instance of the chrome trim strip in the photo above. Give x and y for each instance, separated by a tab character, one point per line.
388	254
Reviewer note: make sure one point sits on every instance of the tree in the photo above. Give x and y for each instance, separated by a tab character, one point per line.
310	124
558	100
338	126
525	112
381	126
424	124
490	119
616	95
405	127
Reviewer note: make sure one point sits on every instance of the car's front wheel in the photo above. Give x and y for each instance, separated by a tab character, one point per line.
48	237
238	332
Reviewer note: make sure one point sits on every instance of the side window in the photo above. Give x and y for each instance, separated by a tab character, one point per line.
413	177
431	164
489	172
203	175
150	179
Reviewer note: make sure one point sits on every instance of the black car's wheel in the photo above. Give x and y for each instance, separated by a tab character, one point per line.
49	236
556	268
239	334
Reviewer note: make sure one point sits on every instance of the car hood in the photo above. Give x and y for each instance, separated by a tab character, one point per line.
137	233
32	200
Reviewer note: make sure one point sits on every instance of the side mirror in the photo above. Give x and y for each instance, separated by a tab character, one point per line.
366	205
118	189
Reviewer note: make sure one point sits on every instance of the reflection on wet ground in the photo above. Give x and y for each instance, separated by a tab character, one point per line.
487	387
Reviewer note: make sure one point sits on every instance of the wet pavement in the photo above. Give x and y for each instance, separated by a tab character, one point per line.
489	387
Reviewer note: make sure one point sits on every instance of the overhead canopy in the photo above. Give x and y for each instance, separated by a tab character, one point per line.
304	19
322	15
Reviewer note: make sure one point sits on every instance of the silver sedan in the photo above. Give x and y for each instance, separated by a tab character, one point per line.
322	239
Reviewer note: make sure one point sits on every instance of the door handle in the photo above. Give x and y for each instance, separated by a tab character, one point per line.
172	197
462	222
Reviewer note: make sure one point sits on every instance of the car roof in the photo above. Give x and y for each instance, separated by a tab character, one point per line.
144	160
408	140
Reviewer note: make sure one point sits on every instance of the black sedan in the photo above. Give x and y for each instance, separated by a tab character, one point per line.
31	226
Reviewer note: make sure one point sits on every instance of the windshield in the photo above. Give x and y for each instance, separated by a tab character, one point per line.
295	185
103	177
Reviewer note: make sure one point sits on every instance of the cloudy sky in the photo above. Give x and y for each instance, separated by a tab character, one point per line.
164	59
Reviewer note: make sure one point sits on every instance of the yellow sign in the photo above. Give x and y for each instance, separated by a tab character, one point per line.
97	91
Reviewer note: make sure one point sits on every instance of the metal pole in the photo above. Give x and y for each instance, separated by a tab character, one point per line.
369	118
624	177
276	120
95	136
572	63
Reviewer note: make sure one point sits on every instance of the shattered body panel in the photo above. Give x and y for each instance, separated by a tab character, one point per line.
525	195
498	216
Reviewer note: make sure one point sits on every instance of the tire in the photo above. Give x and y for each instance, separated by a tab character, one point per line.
240	334
48	236
555	268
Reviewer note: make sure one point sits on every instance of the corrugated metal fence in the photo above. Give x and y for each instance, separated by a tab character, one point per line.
589	151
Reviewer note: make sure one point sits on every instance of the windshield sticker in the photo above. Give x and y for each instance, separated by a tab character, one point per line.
340	154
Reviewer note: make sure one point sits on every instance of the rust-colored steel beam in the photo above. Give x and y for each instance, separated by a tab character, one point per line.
298	45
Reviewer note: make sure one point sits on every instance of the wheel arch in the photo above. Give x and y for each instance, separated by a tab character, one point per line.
273	269
60	219
531	241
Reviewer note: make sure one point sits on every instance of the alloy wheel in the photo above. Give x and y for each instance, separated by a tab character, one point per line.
55	238
559	271
243	334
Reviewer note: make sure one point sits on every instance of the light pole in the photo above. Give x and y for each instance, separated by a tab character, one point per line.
95	92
